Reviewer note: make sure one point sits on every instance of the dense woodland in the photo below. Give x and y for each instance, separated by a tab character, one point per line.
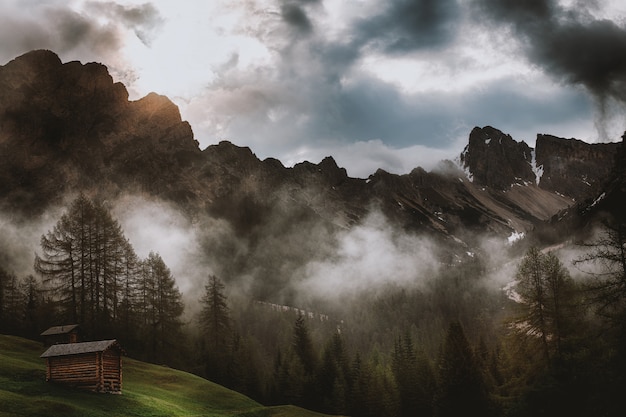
456	346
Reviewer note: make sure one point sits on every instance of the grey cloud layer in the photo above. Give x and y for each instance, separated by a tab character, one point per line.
308	88
409	25
570	44
144	20
314	90
53	25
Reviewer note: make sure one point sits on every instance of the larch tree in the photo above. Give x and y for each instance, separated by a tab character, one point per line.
11	303
462	389
545	290
608	284
82	257
92	273
531	287
162	307
214	317
303	345
215	324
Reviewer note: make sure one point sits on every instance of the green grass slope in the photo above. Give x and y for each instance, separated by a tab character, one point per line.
148	390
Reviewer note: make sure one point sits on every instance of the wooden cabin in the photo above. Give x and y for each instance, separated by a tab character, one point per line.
93	366
69	333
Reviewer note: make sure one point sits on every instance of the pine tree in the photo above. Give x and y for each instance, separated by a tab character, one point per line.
33	321
545	289
303	345
608	285
82	265
415	378
462	390
215	323
332	377
214	317
162	308
3	279
12	304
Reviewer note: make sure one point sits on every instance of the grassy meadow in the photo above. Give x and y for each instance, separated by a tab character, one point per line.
148	390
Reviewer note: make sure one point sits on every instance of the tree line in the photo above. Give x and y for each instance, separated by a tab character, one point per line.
555	345
91	276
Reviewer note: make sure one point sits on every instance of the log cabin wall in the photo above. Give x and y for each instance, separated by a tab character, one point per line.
95	366
99	372
111	371
80	371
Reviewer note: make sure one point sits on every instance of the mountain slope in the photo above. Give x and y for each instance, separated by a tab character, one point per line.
149	390
68	128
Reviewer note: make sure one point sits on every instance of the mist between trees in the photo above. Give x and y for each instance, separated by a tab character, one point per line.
365	321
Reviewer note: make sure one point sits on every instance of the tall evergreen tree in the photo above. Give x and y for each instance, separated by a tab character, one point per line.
415	378
3	279
215	324
81	263
92	274
303	345
462	390
162	308
214	317
608	284
546	290
33	306
12	315
333	375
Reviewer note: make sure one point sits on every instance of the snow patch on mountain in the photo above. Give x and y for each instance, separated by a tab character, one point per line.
515	236
538	170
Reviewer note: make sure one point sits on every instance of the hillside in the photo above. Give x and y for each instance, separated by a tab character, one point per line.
149	390
67	127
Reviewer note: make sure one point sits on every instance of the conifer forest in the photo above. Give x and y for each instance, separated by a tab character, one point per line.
550	343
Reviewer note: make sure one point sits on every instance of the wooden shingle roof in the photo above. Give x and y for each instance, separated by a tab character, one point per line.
60	330
67	349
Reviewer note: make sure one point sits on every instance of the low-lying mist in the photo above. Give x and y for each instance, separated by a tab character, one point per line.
20	239
302	261
367	257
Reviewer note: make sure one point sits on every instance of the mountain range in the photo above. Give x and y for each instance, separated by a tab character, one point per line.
69	128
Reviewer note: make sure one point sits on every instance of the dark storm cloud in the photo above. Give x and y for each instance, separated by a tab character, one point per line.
296	17
318	96
409	25
73	29
372	109
143	19
519	11
570	44
399	26
56	28
367	108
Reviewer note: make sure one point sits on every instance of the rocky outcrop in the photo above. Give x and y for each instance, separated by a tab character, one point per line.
573	167
495	160
67	127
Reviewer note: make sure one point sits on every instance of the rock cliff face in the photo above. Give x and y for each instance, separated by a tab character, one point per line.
67	127
573	167
495	160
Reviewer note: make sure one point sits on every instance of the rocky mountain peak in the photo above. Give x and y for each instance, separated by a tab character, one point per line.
30	66
573	167
75	118
496	160
68	127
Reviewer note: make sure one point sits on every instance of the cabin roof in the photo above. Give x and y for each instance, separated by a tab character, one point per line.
54	330
67	349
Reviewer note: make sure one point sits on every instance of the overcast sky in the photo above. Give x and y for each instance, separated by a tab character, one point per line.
393	84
